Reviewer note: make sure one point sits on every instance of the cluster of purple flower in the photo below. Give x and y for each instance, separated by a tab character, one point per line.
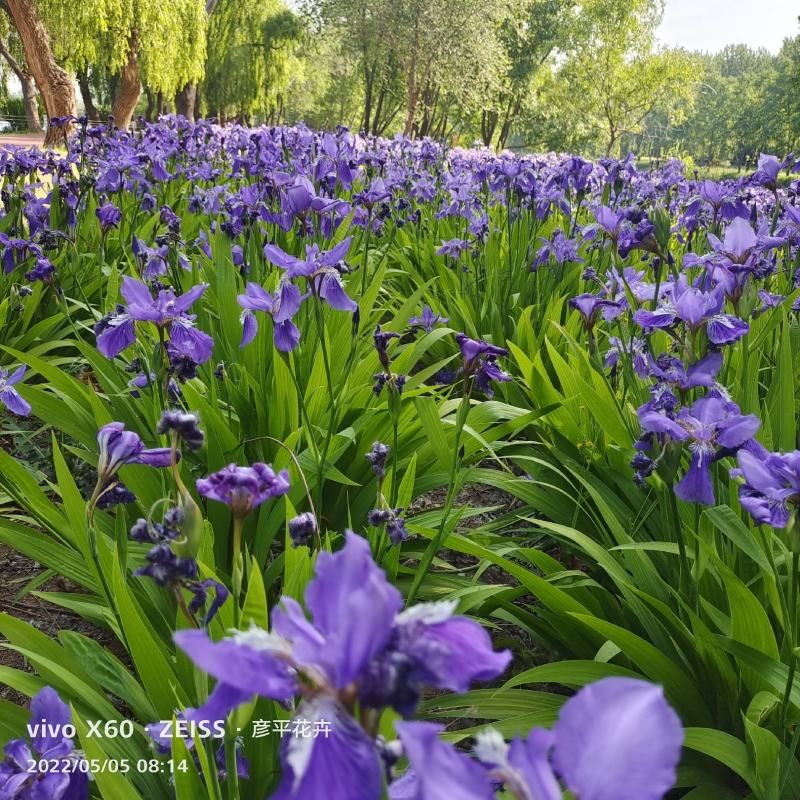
359	654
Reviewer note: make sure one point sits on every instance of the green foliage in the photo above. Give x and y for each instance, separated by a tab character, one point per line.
250	48
170	38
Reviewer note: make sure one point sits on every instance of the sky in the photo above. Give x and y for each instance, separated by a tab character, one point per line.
711	24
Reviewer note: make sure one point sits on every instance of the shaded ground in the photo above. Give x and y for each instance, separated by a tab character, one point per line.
30	444
16	572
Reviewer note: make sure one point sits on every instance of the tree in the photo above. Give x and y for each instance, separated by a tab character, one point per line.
249	44
782	96
613	76
417	56
186	98
324	87
529	35
160	43
11	51
52	80
452	45
360	33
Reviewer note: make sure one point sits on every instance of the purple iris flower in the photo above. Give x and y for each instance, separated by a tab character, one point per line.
713	427
166	311
636	348
768	301
473	349
43	271
739	244
523	766
489	372
152	259
109	216
9	396
767	171
560	248
16	250
296	198
322	269
117	447
427	320
640	236
453	248
19	782
697	309
789	228
377	193
596	748
610	221
590	305
771	490
437	769
480	360
356	644
244	488
377	458
714	194
671	370
281	306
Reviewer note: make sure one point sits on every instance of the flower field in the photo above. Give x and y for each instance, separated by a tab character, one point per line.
399	472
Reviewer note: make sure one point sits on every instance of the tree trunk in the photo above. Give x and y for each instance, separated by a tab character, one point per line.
128	90
488	126
151	104
185	101
376	120
369	80
413	96
32	119
86	96
505	130
28	90
412	83
52	80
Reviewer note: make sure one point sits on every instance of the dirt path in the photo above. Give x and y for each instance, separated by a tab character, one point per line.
21	139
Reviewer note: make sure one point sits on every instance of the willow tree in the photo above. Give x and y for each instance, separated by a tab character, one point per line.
159	43
14	57
162	43
249	47
52	80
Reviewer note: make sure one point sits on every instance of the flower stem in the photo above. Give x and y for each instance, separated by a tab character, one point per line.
332	394
238	565
435	543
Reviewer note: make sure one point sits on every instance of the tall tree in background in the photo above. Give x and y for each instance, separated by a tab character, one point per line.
137	41
11	51
360	31
449	44
186	97
613	76
529	35
785	90
52	80
249	44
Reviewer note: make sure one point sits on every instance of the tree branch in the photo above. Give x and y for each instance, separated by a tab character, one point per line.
12	62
